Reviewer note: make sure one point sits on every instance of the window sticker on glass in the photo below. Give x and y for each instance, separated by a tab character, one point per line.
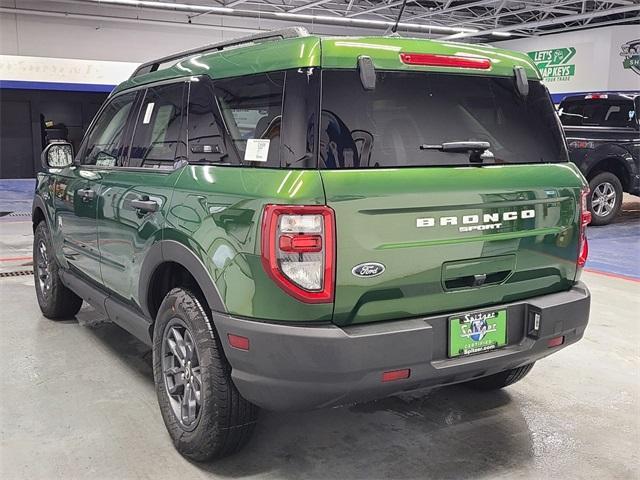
103	159
257	150
148	112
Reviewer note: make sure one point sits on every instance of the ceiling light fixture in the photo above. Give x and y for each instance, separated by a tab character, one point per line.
323	19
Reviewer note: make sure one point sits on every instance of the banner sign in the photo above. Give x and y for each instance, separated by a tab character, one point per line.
554	63
17	71
631	54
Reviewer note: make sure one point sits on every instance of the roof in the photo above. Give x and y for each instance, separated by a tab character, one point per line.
333	52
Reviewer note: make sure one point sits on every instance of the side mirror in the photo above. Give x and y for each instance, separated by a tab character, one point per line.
58	154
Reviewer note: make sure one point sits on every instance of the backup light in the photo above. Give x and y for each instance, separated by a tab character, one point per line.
452	61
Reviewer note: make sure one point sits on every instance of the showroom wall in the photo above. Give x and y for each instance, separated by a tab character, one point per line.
584	61
101	34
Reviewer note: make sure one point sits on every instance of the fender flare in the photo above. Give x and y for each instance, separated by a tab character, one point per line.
172	251
615	155
38	203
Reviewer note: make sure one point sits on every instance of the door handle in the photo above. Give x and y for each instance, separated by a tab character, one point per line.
144	205
86	194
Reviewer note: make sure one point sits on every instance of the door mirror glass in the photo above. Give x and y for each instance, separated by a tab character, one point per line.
57	155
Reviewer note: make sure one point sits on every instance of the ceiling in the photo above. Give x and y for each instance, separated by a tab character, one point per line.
501	17
474	20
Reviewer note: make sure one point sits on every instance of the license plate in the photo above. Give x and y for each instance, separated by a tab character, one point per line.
477	332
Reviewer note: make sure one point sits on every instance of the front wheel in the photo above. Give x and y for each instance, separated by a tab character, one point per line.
502	379
605	200
55	300
203	411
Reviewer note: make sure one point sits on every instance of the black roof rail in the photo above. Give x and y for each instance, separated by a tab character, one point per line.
290	32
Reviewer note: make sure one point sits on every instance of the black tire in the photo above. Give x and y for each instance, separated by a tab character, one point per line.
603	208
502	379
221	422
56	301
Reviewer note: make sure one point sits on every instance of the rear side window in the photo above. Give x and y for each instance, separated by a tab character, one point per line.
157	129
385	127
252	111
598	113
103	144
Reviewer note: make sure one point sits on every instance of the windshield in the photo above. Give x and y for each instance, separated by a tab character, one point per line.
385	127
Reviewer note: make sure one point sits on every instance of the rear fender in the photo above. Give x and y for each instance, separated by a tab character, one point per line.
172	251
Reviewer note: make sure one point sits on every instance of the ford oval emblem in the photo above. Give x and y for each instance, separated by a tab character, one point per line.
370	269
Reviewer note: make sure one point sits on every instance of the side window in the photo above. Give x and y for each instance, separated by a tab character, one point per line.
102	146
158	128
204	126
252	111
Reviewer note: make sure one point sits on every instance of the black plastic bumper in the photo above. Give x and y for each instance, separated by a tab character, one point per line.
301	367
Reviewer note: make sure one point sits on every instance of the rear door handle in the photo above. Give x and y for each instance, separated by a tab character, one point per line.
86	193
144	205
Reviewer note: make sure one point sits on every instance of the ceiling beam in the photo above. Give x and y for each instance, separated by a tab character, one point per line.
511	13
308	5
564	28
446	11
383	6
550	21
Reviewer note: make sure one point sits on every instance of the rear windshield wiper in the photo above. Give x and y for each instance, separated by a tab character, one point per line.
474	149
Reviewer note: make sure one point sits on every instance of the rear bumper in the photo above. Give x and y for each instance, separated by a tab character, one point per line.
301	367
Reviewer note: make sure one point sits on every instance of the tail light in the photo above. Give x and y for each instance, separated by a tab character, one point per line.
454	61
585	219
298	250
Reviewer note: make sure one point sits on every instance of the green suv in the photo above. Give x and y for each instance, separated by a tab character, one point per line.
295	222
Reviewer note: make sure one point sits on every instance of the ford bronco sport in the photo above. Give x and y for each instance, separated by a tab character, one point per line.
294	222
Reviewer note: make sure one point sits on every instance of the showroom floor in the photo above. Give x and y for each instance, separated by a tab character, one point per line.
77	398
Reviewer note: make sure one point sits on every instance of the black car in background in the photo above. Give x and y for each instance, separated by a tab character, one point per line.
603	135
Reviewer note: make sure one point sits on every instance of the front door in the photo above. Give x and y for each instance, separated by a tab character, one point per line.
136	195
78	188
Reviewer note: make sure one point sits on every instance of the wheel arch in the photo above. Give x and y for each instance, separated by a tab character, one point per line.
38	212
169	264
614	165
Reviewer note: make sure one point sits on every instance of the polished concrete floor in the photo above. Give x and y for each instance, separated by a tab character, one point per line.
77	401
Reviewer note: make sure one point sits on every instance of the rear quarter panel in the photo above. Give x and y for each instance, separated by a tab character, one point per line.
216	211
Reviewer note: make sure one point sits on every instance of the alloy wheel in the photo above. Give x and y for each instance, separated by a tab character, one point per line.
603	199
182	373
43	269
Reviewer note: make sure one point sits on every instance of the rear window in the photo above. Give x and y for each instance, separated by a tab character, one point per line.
598	113
385	127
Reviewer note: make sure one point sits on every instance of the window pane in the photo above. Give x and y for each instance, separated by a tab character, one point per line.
598	112
252	111
206	144
103	144
158	128
385	127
